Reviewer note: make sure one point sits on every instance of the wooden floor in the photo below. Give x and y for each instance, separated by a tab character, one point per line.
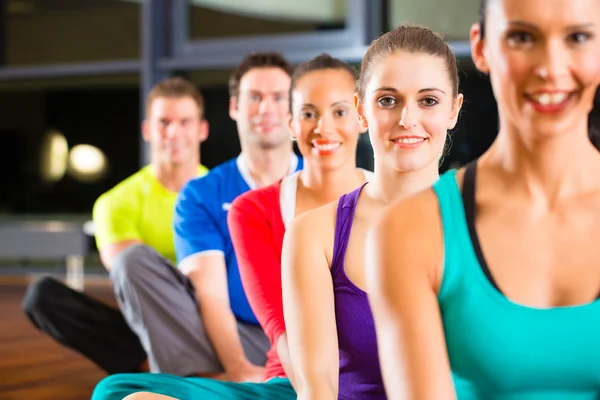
33	366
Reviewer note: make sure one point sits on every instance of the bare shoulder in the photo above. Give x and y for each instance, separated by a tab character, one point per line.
413	212
409	233
316	221
416	215
314	228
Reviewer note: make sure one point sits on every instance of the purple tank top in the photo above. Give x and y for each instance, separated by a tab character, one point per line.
360	376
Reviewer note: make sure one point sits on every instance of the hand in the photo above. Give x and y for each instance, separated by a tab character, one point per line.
247	372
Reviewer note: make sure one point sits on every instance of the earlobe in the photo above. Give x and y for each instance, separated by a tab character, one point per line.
458	104
477	49
204	130
456	111
233	108
362	121
145	131
291	128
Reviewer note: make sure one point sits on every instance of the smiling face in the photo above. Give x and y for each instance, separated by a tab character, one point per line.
324	119
261	107
174	129
542	58
408	107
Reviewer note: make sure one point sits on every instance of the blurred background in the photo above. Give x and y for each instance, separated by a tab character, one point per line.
74	73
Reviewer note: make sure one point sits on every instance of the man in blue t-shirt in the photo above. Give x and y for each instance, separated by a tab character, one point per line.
207	327
259	92
202	238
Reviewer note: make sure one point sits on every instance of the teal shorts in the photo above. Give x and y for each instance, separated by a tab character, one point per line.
115	387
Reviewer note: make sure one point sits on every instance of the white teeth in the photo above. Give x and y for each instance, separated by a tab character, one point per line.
327	147
550	98
409	140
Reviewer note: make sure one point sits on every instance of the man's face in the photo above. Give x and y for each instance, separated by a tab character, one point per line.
174	130
261	108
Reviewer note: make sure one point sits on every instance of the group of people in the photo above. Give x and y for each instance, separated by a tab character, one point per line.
274	276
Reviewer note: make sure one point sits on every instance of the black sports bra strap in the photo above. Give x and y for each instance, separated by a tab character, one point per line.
468	196
468	190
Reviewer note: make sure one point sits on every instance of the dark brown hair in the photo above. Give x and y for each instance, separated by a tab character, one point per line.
321	62
257	60
593	117
413	39
176	87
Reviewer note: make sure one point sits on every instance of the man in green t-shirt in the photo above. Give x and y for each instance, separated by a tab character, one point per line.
134	233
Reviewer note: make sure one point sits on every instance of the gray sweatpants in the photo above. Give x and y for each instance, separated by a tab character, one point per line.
159	304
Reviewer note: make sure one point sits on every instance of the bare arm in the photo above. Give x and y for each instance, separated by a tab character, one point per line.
283	351
208	273
404	255
200	247
309	311
115	216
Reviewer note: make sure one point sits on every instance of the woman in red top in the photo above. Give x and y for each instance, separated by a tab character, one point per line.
324	123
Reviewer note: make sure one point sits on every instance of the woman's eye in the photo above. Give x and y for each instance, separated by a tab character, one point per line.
387	101
519	37
579	37
429	102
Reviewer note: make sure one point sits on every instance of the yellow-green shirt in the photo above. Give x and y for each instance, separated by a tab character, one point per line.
138	208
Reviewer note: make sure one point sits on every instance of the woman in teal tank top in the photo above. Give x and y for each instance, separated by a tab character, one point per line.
487	286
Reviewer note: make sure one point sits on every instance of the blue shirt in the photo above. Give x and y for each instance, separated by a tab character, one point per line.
200	222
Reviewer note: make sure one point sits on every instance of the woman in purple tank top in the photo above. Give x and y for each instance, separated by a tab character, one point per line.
408	99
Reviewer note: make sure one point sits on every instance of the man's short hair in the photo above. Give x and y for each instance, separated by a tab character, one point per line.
175	87
257	60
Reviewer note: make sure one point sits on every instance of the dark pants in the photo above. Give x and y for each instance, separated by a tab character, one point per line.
159	319
84	324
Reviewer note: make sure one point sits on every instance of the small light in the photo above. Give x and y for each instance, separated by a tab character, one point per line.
87	163
54	157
